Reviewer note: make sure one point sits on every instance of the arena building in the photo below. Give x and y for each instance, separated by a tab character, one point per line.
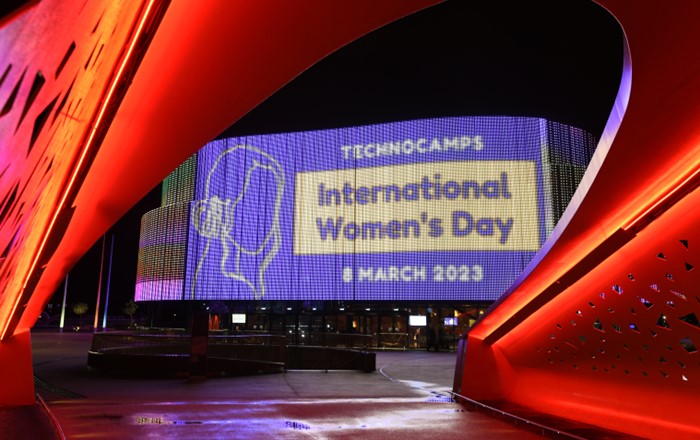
379	230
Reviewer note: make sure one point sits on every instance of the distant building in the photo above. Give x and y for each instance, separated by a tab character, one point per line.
444	210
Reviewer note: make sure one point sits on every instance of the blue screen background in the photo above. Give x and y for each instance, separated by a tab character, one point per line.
240	241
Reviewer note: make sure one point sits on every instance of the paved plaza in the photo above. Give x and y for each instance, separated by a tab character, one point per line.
406	397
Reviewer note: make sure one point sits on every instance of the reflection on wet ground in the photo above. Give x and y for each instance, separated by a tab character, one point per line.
407	397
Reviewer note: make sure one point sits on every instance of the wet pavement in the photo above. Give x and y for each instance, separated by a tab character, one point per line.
406	397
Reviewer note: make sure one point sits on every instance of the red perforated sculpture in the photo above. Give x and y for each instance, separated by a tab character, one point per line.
100	101
603	327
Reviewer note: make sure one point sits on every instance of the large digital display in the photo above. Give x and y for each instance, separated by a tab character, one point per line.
436	209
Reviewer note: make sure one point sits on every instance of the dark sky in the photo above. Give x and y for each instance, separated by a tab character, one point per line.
552	59
559	60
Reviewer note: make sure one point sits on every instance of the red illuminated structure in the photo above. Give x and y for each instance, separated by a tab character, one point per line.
603	327
99	102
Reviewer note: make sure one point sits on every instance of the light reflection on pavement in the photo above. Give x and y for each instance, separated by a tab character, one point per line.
407	397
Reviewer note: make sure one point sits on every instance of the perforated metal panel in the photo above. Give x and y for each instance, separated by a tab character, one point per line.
604	328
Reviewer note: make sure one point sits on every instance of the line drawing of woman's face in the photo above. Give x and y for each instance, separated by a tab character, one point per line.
240	212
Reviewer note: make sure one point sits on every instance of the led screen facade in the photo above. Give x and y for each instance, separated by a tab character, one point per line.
435	209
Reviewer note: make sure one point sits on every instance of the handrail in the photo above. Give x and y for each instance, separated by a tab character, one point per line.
545	429
52	417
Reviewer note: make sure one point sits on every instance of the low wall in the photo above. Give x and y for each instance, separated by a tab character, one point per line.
168	355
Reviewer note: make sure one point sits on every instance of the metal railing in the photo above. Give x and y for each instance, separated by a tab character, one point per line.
545	431
393	340
338	340
123	351
178	344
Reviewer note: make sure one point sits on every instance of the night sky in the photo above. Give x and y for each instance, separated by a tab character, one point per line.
552	59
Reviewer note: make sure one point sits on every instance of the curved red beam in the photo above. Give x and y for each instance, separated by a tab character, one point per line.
650	146
602	329
99	102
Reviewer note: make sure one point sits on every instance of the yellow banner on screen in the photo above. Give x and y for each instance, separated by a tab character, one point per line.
480	205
